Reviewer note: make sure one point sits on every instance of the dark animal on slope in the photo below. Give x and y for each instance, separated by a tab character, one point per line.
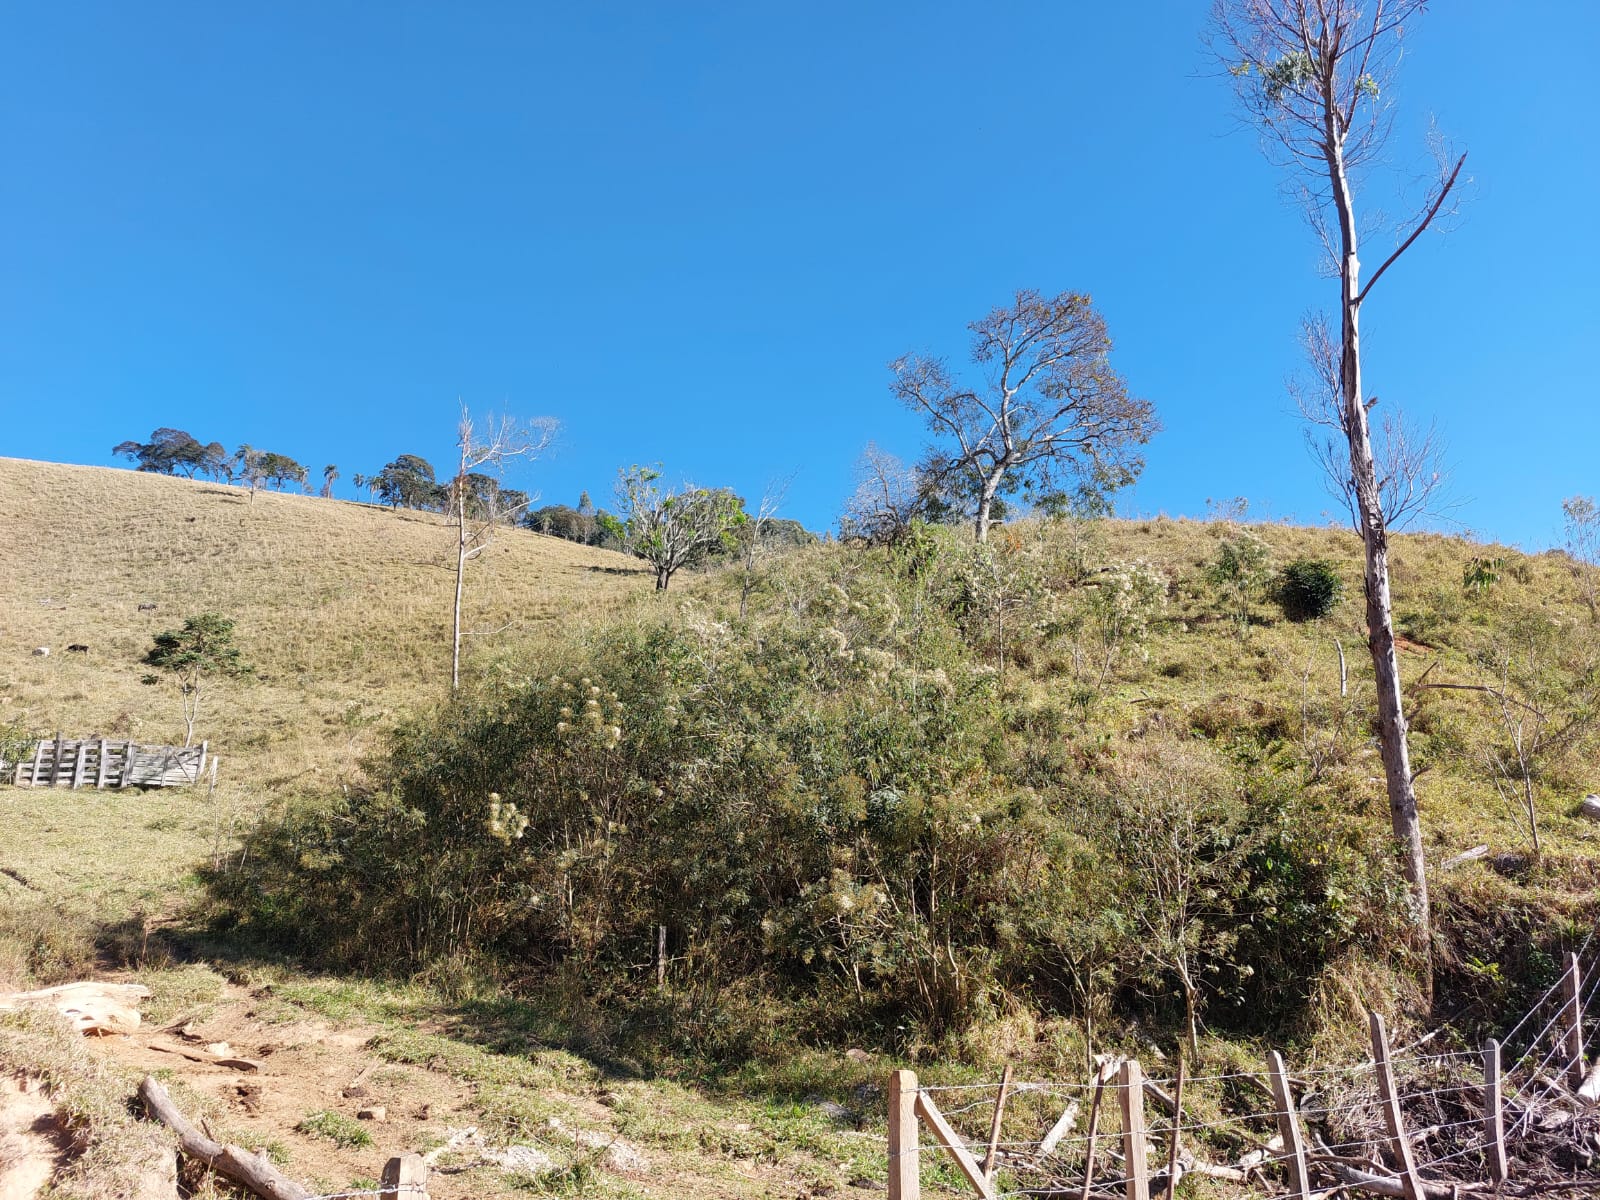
77	648
147	608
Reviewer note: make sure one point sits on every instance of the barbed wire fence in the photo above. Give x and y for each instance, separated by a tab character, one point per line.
1520	1117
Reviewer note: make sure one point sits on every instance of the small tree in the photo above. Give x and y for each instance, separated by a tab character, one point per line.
201	651
1051	415
1309	588
888	499
477	501
250	468
329	474
669	528
1582	517
1240	573
751	541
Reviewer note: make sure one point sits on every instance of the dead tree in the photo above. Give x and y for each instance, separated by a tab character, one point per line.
1314	76
475	511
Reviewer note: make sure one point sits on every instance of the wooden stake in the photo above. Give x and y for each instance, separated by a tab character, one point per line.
1289	1127
1133	1148
994	1124
1177	1121
1393	1119
55	765
951	1141
404	1178
661	956
100	767
1573	1012
1494	1124
78	763
904	1180
38	759
1094	1132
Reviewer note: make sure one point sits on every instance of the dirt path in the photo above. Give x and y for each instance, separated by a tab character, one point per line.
32	1142
257	1071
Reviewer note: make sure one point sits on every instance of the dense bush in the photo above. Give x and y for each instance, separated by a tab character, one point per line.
838	807
1308	588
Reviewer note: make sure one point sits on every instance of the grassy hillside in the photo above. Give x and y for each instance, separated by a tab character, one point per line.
1005	727
343	609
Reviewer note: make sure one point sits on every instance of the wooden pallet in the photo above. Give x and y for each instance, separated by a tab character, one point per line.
102	763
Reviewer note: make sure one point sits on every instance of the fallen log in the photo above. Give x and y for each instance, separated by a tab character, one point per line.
1390	1185
252	1171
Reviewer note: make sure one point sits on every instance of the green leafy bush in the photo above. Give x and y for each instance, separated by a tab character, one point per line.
845	822
1308	588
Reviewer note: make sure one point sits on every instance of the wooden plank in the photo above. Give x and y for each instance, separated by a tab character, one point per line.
38	758
951	1141
904	1177
1062	1127
100	767
79	761
1393	1119
55	764
994	1124
1289	1128
1572	1018
1133	1133
127	765
1494	1122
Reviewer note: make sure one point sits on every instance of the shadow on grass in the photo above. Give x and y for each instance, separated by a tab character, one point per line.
647	1039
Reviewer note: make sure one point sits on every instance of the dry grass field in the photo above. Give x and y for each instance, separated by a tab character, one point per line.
343	608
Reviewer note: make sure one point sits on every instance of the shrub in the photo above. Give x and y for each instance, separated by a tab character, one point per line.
1239	573
1308	589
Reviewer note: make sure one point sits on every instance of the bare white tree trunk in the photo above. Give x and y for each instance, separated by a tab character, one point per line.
461	575
991	486
1375	537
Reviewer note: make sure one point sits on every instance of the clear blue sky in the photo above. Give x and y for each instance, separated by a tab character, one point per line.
696	232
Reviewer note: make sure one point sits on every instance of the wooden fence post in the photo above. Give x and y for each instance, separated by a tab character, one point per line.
1177	1124
994	1123
1494	1124
79	761
1133	1147
38	759
100	767
1394	1120
404	1178
55	763
1574	1021
1094	1132
1289	1127
904	1180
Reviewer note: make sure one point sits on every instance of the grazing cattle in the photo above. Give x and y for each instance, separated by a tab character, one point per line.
77	648
147	608
41	651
